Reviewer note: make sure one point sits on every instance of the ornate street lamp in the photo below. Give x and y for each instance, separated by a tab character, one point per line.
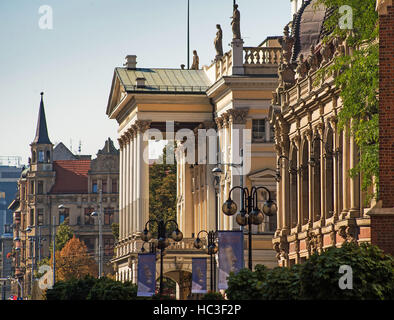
162	240
249	213
212	250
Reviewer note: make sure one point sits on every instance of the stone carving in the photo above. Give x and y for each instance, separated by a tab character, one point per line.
196	61
326	53
314	241
286	76
141	126
302	68
236	23
348	233
219	42
238	116
313	60
284	248
339	46
277	249
287	45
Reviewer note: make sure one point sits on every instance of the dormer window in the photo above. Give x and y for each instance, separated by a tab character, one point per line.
48	157
34	157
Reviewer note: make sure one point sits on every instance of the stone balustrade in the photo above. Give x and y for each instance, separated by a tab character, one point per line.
262	56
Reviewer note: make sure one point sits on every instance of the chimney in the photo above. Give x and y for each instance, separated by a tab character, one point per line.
131	62
182	66
140	82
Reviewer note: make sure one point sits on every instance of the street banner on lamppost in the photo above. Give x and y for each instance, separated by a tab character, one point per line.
231	255
199	275
146	274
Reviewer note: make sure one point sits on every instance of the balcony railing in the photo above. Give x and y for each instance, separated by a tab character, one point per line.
260	56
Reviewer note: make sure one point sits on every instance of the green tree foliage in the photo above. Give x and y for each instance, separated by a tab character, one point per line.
212	296
162	191
64	233
357	76
89	288
373	274
318	277
115	231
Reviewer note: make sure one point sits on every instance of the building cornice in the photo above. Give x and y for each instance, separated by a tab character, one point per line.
382	5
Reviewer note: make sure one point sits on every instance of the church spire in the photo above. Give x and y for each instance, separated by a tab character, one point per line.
42	131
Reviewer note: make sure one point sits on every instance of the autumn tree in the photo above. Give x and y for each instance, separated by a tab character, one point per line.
74	262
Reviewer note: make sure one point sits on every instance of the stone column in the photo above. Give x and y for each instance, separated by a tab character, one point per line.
336	155
345	174
226	159
127	174
323	213
121	173
130	225
280	211
354	182
134	180
142	175
297	141
309	136
237	124
237	57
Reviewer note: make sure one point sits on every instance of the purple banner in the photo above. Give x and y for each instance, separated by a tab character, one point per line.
146	274
231	255
199	275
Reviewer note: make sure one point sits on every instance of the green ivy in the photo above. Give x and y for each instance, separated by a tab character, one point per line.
357	76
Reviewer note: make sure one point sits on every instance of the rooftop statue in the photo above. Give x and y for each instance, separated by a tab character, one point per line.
235	23
219	42
196	61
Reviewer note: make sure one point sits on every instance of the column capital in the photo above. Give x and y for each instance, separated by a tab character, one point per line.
141	126
308	134
219	122
320	128
333	120
238	116
131	132
121	142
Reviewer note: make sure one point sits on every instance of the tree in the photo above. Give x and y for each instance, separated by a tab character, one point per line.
89	288
115	231
162	191
357	76
63	235
73	261
319	278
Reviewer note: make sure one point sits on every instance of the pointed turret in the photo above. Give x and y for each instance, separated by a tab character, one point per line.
42	130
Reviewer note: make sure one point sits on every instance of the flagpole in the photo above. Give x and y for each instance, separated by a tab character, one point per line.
188	34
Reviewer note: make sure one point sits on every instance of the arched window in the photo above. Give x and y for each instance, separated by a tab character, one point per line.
293	188
48	157
305	183
340	173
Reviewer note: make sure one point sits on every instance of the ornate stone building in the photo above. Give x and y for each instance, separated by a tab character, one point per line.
229	96
320	204
73	182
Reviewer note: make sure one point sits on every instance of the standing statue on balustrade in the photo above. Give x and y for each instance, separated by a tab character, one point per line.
219	42
236	22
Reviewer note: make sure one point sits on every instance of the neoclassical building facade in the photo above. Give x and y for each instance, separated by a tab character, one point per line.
320	203
223	110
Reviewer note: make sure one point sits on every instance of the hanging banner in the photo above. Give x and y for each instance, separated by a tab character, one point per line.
199	275
231	255
146	274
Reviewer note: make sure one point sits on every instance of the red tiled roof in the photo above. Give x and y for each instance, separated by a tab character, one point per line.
71	176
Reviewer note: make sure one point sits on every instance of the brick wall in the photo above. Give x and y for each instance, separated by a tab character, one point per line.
382	232
386	108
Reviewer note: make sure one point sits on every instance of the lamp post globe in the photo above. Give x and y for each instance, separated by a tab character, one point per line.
146	235
177	235
229	207
256	217
269	208
198	243
241	219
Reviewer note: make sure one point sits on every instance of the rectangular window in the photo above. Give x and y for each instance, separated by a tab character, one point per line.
94	186
40	187
114	186
89	242
64	216
108	216
31	220
108	246
104	185
89	220
31	187
258	130
41	156
40	217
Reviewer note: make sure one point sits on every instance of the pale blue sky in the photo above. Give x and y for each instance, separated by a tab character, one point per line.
73	63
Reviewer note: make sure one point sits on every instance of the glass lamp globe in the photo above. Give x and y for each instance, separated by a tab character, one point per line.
198	243
269	208
242	220
256	217
146	235
163	243
177	235
229	207
212	249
